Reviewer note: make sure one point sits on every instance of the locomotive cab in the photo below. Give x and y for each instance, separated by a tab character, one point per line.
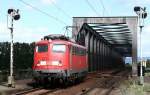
50	59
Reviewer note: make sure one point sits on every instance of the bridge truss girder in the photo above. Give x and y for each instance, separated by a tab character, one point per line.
105	48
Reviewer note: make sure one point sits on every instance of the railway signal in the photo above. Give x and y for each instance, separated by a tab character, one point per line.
142	14
14	15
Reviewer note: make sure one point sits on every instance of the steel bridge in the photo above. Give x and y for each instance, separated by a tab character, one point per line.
108	40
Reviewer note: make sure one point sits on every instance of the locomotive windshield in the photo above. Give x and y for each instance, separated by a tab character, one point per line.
59	48
42	48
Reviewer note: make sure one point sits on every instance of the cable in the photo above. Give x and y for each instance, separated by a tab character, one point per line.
104	9
60	9
39	10
92	7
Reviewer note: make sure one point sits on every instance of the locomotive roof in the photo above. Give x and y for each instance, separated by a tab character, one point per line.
56	36
68	43
59	41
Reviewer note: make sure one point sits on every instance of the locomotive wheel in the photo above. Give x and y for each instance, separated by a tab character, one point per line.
53	83
36	83
45	82
76	81
66	83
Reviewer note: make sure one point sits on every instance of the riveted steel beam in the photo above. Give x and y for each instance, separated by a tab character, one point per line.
87	44
95	55
92	53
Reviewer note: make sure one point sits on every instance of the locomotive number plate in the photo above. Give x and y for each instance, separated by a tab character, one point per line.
42	62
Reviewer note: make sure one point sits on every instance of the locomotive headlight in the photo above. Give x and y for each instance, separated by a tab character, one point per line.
42	62
56	63
37	64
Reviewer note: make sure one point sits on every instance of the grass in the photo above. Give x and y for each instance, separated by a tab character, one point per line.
132	87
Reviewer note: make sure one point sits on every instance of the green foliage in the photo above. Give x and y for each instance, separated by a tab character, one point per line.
148	63
4	55
131	87
23	55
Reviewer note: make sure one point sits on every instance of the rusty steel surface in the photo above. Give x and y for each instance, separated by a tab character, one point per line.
27	91
39	92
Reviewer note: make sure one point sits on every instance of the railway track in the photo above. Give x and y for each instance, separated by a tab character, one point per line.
36	91
102	82
107	85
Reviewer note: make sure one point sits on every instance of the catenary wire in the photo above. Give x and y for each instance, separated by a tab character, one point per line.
45	13
104	8
90	5
60	9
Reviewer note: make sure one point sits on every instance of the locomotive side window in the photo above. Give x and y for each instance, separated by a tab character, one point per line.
42	48
78	51
59	48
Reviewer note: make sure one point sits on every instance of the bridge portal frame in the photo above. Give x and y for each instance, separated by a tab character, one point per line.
81	22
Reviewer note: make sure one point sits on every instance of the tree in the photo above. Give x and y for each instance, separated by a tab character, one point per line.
148	63
23	55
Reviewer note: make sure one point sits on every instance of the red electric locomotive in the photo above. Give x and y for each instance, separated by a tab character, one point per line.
58	58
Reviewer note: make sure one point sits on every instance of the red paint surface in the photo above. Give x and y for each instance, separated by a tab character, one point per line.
78	61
